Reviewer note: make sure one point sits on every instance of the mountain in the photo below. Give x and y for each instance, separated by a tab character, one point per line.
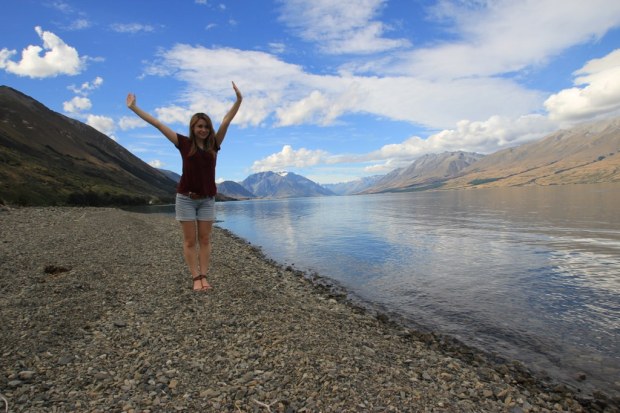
353	187
47	158
282	185
234	190
171	175
426	172
587	153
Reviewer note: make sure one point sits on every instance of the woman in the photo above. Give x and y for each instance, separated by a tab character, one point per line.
195	198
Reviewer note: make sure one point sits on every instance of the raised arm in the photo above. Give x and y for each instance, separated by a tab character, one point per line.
168	133
221	132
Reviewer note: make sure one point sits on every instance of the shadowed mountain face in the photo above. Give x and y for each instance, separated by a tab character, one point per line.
234	190
47	158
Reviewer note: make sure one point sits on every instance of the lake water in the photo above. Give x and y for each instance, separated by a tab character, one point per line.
531	274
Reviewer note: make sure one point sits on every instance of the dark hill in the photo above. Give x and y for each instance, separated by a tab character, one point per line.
47	158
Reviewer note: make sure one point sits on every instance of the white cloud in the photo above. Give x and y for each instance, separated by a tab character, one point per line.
498	37
304	110
58	59
289	157
132	27
131	122
61	6
597	91
471	136
77	104
174	114
85	88
103	124
79	24
277	48
273	87
156	163
339	27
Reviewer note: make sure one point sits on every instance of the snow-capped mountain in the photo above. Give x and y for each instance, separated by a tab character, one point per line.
283	185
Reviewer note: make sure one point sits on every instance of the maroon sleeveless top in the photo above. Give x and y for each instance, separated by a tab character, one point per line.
198	169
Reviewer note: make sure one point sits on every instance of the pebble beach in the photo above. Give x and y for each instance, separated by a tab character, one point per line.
98	315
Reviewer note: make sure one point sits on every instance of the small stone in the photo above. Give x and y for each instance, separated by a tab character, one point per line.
120	324
64	360
26	375
102	376
15	383
209	394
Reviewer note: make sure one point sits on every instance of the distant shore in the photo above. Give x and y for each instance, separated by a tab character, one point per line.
98	315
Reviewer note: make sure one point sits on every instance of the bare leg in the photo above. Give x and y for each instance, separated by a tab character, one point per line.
204	254
189	250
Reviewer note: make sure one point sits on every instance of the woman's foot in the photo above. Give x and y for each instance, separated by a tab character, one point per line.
200	283
205	284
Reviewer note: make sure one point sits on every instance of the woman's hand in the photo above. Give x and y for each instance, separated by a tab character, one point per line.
237	92
131	100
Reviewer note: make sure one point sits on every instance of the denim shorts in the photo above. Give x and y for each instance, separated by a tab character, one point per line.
188	209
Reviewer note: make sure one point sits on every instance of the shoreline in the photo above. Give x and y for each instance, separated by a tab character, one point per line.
101	317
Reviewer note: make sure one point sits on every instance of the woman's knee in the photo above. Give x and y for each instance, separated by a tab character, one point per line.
205	240
189	243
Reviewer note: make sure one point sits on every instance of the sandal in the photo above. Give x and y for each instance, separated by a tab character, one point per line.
200	278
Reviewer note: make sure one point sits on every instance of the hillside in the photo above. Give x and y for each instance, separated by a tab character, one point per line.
353	187
47	158
234	190
588	153
426	172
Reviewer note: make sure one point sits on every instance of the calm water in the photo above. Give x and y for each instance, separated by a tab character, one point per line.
532	274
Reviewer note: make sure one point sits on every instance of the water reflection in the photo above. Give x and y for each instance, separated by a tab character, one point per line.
529	273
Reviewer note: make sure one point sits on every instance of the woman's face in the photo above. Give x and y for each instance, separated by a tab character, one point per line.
201	129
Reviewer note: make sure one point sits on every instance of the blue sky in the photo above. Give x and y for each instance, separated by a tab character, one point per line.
333	90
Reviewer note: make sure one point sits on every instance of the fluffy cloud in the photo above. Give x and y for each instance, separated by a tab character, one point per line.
339	27
294	96
58	59
597	91
103	124
131	122
289	157
77	104
87	87
79	24
472	136
156	163
132	28
504	37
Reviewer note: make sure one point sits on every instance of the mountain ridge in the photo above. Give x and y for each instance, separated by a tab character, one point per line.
283	185
586	153
48	158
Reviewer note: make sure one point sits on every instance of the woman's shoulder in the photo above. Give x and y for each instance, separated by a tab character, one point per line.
182	140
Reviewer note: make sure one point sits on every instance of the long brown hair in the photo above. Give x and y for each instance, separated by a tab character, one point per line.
210	144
